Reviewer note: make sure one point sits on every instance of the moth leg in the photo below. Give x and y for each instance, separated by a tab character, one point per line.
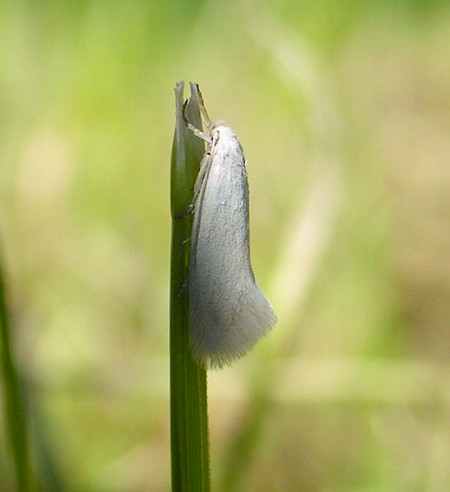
204	168
185	213
198	133
182	288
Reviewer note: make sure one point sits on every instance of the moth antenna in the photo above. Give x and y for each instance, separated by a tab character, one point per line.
183	113
201	104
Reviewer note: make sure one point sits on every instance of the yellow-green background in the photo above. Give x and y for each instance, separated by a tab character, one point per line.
343	110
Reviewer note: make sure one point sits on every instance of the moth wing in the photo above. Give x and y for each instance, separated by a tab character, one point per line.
228	313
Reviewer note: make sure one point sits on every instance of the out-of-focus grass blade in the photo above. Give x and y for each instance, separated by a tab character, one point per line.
14	406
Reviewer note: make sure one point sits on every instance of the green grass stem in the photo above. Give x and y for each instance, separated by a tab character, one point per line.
188	395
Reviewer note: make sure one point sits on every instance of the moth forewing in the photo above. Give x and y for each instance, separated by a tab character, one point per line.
228	313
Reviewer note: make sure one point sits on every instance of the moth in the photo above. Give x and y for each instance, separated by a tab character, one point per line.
228	313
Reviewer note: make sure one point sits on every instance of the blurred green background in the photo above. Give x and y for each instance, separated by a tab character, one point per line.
343	110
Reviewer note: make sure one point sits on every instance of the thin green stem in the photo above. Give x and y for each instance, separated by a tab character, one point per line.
188	396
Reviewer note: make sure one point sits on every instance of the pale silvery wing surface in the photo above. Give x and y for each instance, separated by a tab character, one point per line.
228	313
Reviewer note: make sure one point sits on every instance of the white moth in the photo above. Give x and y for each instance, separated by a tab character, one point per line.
228	313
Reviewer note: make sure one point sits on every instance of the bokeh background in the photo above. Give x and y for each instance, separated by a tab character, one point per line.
343	109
